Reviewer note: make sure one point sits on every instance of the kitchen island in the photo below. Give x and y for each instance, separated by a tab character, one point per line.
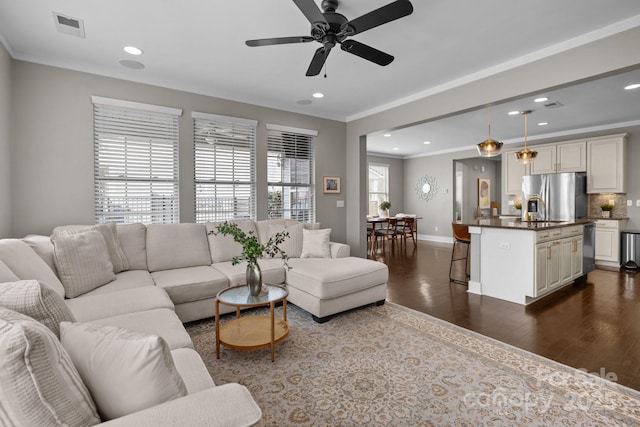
522	261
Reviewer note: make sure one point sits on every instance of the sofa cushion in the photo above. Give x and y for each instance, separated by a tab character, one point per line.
130	279
125	371
110	233
334	277
292	245
35	300
82	261
43	246
315	243
262	227
177	246
191	283
224	248
39	384
273	271
25	263
133	240
89	307
163	322
192	369
6	275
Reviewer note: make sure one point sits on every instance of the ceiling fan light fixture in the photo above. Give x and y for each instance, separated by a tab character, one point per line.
489	147
525	155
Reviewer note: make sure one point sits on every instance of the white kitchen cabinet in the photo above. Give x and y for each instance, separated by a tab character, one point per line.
558	258
607	251
570	156
606	164
571	259
512	172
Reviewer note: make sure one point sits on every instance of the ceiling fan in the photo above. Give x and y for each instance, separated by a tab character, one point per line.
330	28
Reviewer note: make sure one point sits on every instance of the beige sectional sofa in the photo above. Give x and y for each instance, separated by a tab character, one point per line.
151	279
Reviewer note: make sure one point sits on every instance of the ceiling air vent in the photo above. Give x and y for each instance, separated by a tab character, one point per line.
554	104
68	25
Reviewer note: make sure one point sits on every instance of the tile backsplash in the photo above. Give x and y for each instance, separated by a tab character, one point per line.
619	204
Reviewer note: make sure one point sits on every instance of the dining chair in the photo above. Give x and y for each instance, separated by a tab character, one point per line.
461	236
407	229
389	232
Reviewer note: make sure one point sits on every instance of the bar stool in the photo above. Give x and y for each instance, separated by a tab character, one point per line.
461	236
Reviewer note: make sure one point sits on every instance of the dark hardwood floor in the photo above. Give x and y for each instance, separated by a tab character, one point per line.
592	325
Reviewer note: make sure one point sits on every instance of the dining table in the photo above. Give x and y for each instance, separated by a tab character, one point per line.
375	220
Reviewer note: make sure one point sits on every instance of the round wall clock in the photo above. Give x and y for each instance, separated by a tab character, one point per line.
427	187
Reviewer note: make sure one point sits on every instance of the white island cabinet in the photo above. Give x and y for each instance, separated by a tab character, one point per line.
522	262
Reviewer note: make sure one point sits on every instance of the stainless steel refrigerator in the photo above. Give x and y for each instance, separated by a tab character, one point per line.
564	196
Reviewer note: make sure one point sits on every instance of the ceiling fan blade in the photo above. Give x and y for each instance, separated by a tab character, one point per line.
279	40
318	61
366	52
313	13
388	13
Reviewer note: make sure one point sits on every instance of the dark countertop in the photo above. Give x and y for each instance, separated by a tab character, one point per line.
517	224
614	219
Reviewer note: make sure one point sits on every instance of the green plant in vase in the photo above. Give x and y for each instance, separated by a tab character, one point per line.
384	206
606	209
252	250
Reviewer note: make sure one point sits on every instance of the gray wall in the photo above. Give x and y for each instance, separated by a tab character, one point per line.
5	143
396	181
52	146
611	53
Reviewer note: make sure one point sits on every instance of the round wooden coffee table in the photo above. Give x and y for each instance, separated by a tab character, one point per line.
250	332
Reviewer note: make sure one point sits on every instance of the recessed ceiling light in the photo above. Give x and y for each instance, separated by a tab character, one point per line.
318	95
543	123
387	135
396	148
541	99
513	113
132	50
427	142
304	102
633	86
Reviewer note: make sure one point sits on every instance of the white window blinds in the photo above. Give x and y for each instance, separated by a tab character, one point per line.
225	164
290	173
135	162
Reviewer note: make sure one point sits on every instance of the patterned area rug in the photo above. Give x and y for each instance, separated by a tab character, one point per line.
389	365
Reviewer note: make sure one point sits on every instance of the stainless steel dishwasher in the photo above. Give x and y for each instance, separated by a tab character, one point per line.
589	248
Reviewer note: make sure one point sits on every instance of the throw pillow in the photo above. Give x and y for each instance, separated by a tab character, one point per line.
125	371
35	300
39	386
292	245
82	261
110	233
315	243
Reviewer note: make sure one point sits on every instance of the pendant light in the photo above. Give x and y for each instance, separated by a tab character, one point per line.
525	155
489	147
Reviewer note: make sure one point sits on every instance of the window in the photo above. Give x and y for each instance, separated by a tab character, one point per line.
290	173
225	164
135	162
378	186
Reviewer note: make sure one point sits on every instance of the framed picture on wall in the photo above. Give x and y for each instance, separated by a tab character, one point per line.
331	184
484	193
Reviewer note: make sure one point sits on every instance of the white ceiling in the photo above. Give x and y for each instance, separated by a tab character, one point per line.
198	46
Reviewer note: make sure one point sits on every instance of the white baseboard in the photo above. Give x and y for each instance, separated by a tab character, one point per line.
432	238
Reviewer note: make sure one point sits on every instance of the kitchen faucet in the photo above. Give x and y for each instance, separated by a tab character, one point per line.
527	216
